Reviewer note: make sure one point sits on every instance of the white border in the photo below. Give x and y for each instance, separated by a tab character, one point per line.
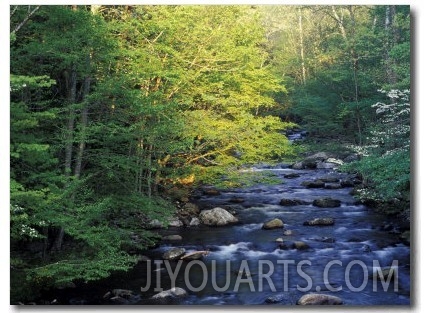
416	254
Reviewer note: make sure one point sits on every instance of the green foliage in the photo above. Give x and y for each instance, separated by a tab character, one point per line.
111	103
387	177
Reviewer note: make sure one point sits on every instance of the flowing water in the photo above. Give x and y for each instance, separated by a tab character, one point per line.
341	256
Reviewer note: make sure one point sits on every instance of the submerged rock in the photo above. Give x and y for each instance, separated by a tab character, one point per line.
288	232
347	183
319	299
272	224
300	245
326	202
313	184
236	200
291	175
211	192
217	217
386	272
333	186
320	221
173	238
292	202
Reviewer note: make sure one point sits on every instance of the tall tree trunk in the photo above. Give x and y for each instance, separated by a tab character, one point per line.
84	122
149	176
390	33
355	68
71	79
140	165
350	43
71	83
302	53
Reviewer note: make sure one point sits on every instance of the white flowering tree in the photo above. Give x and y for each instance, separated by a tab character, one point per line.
385	166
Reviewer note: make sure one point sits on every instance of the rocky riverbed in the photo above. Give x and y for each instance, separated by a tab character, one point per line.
238	235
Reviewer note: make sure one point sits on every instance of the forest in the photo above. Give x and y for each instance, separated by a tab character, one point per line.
119	112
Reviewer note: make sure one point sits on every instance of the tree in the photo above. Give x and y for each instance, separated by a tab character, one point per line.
120	102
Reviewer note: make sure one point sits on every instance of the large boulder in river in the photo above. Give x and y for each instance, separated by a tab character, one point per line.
319	299
326	202
173	254
320	221
272	224
217	217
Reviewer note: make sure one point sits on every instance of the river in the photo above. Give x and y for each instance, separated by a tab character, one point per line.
337	259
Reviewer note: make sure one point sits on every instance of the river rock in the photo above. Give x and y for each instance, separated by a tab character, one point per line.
172	238
173	254
276	299
313	184
189	209
329	179
300	245
297	166
194	222
217	217
114	300
319	156
288	232
320	221
175	222
406	237
211	192
347	183
119	296
333	186
326	202
279	240
236	200
319	299
351	158
310	163
272	224
366	249
170	295
291	175
324	239
292	202
334	161
386	271
155	224
195	255
123	293
326	165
